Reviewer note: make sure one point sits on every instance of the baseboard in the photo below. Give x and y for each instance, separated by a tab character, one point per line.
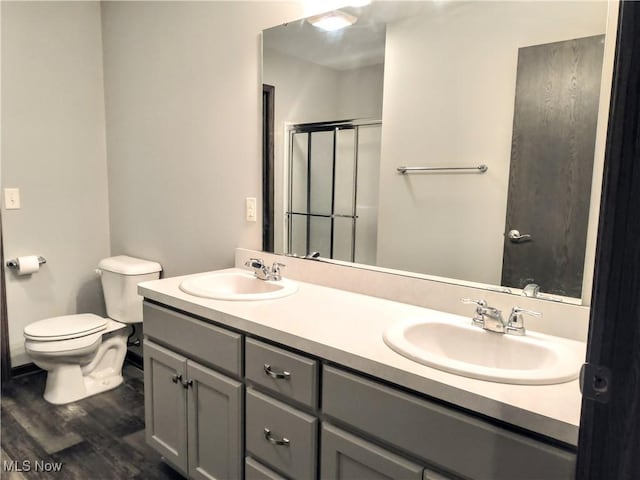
26	369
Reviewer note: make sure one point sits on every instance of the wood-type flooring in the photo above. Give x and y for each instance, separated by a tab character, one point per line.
100	437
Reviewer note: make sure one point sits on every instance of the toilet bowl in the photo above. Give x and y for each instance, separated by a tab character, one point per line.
83	354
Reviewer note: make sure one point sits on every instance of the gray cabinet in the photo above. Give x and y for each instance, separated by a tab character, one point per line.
290	375
197	420
281	436
193	415
442	436
254	470
347	457
165	404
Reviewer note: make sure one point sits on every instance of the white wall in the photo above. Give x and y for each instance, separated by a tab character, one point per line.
443	112
53	149
359	92
182	88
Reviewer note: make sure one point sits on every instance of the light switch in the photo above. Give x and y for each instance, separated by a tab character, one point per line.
250	209
11	198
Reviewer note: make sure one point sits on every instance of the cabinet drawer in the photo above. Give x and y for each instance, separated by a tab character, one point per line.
345	456
284	372
281	436
453	440
254	470
199	340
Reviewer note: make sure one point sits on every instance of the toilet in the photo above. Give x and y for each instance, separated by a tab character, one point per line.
83	353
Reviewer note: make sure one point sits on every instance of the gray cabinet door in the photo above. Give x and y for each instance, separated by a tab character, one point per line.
165	402
215	429
347	457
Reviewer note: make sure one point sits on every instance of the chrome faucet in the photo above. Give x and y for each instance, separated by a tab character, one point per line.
515	325
262	271
533	290
489	318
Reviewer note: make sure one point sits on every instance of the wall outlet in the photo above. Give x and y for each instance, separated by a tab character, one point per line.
250	209
12	198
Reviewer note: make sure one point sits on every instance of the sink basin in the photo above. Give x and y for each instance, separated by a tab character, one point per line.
463	349
237	285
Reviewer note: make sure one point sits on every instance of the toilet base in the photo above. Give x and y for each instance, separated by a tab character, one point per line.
66	384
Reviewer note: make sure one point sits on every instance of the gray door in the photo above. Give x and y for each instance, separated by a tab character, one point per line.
165	402
554	129
347	457
215	429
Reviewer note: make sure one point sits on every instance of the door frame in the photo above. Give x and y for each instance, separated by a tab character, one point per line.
610	431
5	356
268	199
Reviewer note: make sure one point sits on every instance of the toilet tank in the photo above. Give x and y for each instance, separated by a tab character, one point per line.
120	278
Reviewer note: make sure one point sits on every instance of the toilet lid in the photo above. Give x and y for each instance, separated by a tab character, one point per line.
65	327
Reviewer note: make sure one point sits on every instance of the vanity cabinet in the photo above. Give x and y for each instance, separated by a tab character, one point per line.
193	413
455	441
219	405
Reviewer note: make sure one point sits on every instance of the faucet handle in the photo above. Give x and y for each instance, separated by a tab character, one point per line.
531	290
515	325
478	319
480	303
516	310
275	270
254	263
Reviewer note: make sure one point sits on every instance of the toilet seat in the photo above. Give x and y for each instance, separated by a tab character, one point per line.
72	346
66	327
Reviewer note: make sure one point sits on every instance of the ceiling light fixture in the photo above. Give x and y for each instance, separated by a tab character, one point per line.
332	21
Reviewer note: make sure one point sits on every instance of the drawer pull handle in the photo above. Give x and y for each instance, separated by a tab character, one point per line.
176	378
275	441
268	369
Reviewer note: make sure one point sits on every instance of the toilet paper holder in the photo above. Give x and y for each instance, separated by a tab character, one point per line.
13	263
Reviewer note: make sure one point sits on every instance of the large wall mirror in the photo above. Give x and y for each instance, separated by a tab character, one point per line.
458	140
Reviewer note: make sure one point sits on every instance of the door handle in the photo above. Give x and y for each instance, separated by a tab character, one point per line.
516	237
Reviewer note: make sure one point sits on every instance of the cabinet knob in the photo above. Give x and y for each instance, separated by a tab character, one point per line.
269	370
187	384
282	441
176	378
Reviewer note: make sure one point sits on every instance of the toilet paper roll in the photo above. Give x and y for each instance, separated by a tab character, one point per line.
28	264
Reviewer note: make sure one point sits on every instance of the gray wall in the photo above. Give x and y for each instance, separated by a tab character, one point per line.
182	134
53	149
183	103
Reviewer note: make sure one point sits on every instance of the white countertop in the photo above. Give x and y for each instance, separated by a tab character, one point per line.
346	328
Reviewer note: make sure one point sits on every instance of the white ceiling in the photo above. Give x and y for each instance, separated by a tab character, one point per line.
359	45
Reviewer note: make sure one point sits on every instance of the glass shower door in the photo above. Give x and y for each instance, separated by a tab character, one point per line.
323	188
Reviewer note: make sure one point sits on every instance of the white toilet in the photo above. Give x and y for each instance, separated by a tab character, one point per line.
83	354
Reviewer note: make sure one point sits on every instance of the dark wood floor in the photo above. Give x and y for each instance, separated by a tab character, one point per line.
100	437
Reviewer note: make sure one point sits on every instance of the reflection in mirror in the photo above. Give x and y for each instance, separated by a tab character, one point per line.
511	85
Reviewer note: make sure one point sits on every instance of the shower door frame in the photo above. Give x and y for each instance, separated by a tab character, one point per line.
315	127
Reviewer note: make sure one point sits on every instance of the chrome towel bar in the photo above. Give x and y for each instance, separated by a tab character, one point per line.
479	169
